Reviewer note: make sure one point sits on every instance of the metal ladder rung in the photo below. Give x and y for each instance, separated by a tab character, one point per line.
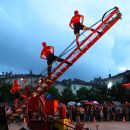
76	57
54	76
59	71
43	85
15	114
36	93
80	51
40	89
49	80
97	36
19	110
23	105
65	67
12	117
46	87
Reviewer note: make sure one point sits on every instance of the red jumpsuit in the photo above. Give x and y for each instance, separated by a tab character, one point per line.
15	87
48	53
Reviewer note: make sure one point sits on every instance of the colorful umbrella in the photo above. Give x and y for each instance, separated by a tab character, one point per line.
94	102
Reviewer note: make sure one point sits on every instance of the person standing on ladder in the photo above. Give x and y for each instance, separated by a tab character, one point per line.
48	54
76	23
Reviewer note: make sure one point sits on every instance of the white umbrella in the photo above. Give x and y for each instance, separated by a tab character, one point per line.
78	104
116	103
71	103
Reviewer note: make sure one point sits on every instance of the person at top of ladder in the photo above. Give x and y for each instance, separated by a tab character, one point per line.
48	54
76	23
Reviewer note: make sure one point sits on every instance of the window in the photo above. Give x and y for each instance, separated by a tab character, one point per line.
74	87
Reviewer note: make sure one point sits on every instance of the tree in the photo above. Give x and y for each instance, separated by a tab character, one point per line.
54	94
82	93
99	93
120	93
6	96
67	95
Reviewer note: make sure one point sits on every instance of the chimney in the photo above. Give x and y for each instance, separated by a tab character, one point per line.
3	73
109	75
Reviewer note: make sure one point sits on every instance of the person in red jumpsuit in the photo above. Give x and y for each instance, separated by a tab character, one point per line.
76	23
62	110
15	87
48	54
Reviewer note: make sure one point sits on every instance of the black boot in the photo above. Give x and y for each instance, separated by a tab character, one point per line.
69	63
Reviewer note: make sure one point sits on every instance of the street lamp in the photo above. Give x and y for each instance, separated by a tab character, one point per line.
109	85
0	98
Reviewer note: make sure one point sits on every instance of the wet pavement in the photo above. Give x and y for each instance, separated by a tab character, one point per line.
92	126
16	126
108	126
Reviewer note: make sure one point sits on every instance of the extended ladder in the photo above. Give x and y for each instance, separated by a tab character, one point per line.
85	44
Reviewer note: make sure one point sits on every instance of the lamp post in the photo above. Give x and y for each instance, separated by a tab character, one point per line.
0	99
109	86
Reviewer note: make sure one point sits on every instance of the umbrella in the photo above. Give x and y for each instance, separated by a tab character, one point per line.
87	103
94	102
82	101
71	103
116	103
78	104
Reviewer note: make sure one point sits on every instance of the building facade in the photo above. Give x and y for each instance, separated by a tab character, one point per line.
123	77
75	84
33	80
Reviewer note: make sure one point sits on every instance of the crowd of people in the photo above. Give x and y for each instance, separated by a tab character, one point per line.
105	112
100	112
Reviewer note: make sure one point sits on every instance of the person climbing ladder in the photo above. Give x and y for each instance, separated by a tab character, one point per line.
48	54
76	23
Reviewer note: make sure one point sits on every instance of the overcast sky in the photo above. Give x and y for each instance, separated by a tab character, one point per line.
25	24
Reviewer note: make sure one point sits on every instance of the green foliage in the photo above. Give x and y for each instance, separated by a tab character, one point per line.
116	93
99	93
83	94
6	96
67	95
54	93
120	93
